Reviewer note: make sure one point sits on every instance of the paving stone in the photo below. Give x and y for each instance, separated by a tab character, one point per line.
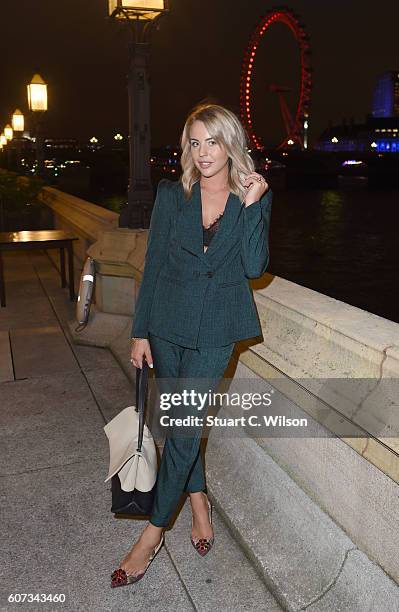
113	390
6	368
28	313
59	536
93	358
224	579
48	421
40	350
360	585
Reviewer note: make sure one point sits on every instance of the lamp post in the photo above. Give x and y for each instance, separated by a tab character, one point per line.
9	134
37	102
18	125
3	143
140	16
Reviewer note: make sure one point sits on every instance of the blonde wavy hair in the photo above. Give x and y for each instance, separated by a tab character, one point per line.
226	129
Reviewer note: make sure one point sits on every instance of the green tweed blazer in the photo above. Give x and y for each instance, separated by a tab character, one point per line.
198	299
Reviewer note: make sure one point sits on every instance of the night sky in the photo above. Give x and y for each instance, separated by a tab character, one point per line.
196	53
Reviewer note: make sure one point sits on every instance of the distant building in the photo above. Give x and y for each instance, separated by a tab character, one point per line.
61	143
57	150
374	135
386	96
379	133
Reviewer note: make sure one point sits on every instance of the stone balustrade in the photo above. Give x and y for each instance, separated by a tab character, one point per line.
79	217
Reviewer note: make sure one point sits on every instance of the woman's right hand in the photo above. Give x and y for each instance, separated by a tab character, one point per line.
140	349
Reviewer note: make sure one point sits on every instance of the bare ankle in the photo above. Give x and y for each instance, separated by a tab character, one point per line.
198	495
152	533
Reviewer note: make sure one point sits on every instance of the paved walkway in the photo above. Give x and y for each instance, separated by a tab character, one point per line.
58	534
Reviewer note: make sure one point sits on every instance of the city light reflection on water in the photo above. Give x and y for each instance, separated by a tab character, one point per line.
341	243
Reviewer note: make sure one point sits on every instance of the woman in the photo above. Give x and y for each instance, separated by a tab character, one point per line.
208	235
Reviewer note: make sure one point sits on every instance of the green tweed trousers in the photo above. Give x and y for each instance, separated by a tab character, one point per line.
181	466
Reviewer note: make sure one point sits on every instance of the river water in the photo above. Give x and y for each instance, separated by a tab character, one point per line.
342	243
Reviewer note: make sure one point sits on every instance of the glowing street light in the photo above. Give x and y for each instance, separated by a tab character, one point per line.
37	94
305	131
140	9
118	137
8	132
290	141
373	145
3	140
93	140
18	123
334	139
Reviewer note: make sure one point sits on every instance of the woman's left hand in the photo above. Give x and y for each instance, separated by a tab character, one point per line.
256	187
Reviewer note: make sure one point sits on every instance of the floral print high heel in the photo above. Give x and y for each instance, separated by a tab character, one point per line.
120	578
203	545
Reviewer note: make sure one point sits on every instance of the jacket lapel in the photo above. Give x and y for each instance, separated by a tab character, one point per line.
190	225
227	224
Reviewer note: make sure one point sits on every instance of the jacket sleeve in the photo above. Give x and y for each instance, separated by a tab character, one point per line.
157	244
255	240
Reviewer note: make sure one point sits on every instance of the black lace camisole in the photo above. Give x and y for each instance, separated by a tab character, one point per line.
209	232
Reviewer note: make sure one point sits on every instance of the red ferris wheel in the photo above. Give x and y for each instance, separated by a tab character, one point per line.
296	123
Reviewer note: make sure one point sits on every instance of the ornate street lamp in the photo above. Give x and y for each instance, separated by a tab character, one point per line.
18	123
8	132
37	94
37	102
142	9
141	16
3	140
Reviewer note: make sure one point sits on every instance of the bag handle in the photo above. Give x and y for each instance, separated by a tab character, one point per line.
141	389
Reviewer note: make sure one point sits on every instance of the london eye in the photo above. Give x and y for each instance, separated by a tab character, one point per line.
295	119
